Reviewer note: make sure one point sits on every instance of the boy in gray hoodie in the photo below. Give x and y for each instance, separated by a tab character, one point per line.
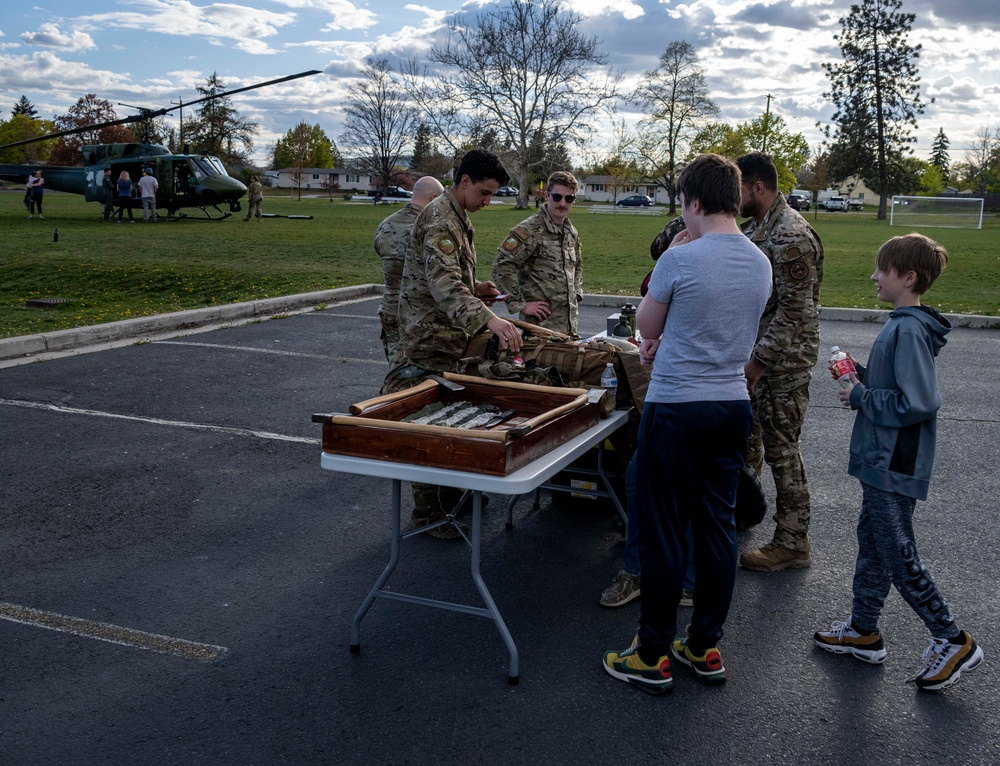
892	452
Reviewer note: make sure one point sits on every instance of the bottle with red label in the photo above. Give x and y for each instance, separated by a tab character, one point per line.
843	367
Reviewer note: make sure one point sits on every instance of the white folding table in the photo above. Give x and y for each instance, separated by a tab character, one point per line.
522	481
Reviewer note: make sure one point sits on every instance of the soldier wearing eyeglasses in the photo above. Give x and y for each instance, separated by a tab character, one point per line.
539	263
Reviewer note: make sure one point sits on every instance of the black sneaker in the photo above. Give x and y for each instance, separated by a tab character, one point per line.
843	639
944	663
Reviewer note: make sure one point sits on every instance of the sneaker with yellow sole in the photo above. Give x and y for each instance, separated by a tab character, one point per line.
774	557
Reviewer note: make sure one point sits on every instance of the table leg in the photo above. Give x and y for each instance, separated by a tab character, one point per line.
477	578
389	568
607	484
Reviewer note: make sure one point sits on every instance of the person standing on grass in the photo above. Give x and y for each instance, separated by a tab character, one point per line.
391	240
108	186
892	452
125	196
698	323
255	195
36	189
148	187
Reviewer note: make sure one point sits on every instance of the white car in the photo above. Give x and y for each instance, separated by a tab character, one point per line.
835	203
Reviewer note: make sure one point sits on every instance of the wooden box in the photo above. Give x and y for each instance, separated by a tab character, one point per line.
546	417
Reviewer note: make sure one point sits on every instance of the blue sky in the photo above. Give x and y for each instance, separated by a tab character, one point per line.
154	52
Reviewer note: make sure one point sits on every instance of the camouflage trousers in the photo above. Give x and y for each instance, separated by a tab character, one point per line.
428	499
389	336
778	418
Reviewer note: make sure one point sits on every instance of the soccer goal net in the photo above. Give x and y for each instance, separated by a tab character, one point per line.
950	212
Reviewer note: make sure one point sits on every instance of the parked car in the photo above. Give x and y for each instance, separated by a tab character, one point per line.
797	202
855	204
636	200
507	191
834	203
394	191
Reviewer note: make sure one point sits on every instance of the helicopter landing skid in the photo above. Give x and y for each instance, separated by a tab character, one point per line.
222	215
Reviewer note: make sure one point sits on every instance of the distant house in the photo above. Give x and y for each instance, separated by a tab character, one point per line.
320	179
599	188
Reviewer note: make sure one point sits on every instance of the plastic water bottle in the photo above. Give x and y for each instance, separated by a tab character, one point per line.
843	367
609	381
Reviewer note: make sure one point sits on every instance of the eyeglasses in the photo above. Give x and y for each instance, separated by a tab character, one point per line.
570	198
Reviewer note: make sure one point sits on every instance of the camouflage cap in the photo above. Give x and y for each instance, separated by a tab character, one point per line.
662	240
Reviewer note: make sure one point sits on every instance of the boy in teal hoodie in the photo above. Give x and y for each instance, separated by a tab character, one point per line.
892	452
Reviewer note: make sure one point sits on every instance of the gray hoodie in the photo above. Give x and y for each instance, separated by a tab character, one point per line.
892	445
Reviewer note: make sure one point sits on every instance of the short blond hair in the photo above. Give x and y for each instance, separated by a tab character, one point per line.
563	178
913	252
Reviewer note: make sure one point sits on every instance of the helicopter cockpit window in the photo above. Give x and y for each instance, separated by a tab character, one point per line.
198	171
219	168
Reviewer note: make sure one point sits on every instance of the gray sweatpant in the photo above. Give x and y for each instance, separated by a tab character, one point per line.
887	555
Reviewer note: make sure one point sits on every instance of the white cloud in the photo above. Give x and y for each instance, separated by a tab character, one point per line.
217	21
346	15
49	36
629	10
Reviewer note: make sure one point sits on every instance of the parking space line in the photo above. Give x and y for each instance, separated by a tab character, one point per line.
160	422
113	634
380	361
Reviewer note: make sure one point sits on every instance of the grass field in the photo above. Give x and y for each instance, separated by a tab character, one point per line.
115	271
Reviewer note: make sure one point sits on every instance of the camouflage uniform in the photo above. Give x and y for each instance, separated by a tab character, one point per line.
540	261
438	314
787	346
255	196
391	241
662	240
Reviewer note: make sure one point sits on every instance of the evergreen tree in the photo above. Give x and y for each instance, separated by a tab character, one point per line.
876	91
422	146
939	155
218	129
25	107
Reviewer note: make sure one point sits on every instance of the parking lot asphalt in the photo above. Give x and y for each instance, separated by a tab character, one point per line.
178	577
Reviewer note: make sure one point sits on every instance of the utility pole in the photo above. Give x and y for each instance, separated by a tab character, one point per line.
767	123
180	139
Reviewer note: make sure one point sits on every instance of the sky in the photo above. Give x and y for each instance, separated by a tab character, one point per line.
153	53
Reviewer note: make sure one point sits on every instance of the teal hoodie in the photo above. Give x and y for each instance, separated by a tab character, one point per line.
892	444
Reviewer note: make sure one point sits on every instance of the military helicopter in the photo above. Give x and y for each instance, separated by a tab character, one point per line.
186	180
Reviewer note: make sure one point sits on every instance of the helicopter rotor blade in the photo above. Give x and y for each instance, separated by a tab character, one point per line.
148	114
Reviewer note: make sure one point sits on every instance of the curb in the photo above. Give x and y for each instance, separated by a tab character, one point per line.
831	314
142	328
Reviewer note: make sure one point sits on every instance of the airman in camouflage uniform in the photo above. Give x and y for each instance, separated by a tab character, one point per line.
442	306
787	348
391	241
539	264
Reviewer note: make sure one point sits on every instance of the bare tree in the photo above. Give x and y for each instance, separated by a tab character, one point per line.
676	97
527	68
982	159
381	122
